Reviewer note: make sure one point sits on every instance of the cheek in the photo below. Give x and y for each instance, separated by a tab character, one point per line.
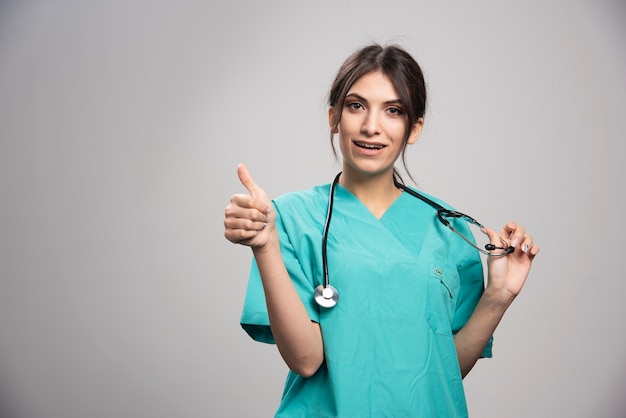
350	123
343	141
401	133
345	131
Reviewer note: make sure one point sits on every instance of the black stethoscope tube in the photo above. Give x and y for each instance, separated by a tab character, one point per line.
329	214
325	295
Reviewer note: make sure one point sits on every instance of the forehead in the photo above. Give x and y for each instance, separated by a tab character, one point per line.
374	85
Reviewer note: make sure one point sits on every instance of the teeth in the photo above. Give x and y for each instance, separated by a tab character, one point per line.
363	145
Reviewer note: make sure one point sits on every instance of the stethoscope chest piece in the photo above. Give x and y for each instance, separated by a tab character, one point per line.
326	296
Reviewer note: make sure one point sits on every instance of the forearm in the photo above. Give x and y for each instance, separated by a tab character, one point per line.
298	339
472	339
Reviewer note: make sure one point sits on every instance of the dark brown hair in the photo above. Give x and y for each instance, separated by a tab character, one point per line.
394	62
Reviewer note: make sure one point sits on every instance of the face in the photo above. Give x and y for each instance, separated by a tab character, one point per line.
373	127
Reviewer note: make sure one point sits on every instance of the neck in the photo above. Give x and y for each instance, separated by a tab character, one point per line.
377	192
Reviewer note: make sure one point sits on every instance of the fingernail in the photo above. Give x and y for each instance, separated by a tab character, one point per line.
525	247
515	242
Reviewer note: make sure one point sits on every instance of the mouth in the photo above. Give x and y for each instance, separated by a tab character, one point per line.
369	146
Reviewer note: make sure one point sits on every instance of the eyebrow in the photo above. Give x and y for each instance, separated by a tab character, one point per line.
363	99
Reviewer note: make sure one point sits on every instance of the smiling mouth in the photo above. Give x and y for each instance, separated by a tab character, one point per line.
368	146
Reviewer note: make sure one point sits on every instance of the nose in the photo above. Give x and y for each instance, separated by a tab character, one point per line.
371	123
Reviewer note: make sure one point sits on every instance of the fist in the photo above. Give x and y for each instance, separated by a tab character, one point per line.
249	218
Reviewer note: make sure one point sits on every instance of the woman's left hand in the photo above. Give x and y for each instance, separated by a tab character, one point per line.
507	274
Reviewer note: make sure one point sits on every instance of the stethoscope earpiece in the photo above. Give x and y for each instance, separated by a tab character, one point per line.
326	297
507	250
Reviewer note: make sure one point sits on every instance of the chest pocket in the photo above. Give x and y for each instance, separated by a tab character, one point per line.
443	290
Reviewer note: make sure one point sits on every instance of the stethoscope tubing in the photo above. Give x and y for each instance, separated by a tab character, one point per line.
329	214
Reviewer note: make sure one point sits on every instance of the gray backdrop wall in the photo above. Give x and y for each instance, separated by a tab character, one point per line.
121	126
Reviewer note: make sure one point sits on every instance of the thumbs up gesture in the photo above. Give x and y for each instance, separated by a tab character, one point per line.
249	218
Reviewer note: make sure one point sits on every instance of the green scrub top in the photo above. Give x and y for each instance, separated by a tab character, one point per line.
406	285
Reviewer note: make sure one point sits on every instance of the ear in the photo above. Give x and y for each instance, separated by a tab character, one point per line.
331	113
416	130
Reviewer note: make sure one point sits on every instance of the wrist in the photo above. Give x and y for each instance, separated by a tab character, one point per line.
272	245
498	299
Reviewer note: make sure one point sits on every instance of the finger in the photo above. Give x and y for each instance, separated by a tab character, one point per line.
527	243
529	247
246	206
534	250
244	224
516	235
508	229
240	236
497	240
248	182
493	236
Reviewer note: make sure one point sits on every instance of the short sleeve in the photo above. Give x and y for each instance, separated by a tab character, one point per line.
254	318
472	282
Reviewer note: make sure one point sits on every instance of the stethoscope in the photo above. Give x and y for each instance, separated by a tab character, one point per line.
327	296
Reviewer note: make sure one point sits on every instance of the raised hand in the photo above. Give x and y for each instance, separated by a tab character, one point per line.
507	274
249	218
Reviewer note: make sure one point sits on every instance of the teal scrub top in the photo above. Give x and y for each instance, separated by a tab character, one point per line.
406	285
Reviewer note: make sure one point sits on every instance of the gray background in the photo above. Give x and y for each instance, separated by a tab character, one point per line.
121	125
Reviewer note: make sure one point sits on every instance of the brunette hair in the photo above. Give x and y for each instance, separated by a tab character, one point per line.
404	73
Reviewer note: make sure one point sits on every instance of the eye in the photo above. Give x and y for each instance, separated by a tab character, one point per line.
354	105
396	111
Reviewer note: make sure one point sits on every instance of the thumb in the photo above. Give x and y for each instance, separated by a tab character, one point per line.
491	234
497	240
494	238
248	182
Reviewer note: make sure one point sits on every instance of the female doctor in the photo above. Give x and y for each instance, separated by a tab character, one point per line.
372	291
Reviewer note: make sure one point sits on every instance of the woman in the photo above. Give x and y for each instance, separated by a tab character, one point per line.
414	315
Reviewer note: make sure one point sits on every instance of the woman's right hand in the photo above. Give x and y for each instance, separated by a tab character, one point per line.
249	218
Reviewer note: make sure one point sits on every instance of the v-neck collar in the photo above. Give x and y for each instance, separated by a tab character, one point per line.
351	196
386	237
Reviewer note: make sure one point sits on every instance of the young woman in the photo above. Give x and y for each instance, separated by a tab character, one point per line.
412	313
